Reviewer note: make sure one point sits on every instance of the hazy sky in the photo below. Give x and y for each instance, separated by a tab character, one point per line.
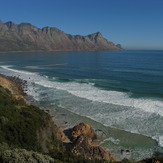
135	24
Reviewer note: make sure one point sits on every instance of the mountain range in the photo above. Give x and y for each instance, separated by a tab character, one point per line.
27	37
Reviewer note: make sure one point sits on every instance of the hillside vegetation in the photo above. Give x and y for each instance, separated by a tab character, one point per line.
20	125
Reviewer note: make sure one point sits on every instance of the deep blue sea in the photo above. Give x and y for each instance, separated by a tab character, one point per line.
120	93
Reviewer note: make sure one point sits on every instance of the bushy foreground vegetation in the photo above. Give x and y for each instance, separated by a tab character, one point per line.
23	156
19	126
19	122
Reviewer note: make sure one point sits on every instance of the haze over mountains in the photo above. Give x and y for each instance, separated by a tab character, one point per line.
26	37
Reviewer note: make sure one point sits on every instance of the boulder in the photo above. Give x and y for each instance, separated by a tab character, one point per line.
81	146
83	129
82	136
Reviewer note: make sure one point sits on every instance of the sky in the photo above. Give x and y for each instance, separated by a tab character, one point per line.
135	24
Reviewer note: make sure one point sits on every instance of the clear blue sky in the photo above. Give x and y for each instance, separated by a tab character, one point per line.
136	24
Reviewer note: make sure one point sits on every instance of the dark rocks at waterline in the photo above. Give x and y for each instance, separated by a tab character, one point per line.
21	84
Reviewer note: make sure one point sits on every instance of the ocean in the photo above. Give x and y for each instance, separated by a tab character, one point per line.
120	93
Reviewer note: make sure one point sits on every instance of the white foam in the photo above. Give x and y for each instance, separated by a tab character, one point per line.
88	91
17	71
159	139
111	139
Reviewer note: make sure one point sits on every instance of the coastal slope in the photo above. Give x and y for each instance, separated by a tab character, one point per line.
28	134
27	37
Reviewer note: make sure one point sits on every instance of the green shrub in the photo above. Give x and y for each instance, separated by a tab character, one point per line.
20	122
22	155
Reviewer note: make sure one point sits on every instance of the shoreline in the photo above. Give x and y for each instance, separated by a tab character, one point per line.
62	124
16	86
39	51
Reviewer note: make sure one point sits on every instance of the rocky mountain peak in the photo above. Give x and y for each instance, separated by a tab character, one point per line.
3	27
48	30
26	24
27	37
98	34
95	36
10	24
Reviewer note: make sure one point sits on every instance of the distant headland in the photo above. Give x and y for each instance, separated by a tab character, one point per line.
26	37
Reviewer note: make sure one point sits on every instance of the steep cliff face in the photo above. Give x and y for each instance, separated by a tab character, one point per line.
26	37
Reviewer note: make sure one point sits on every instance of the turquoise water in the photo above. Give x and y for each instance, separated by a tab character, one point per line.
118	92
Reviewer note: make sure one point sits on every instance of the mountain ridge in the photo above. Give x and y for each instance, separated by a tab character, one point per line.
27	37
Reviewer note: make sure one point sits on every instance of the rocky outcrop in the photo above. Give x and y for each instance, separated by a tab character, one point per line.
82	146
26	37
82	136
85	130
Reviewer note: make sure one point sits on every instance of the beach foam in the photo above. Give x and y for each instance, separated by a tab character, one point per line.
111	139
17	71
128	114
159	140
88	91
